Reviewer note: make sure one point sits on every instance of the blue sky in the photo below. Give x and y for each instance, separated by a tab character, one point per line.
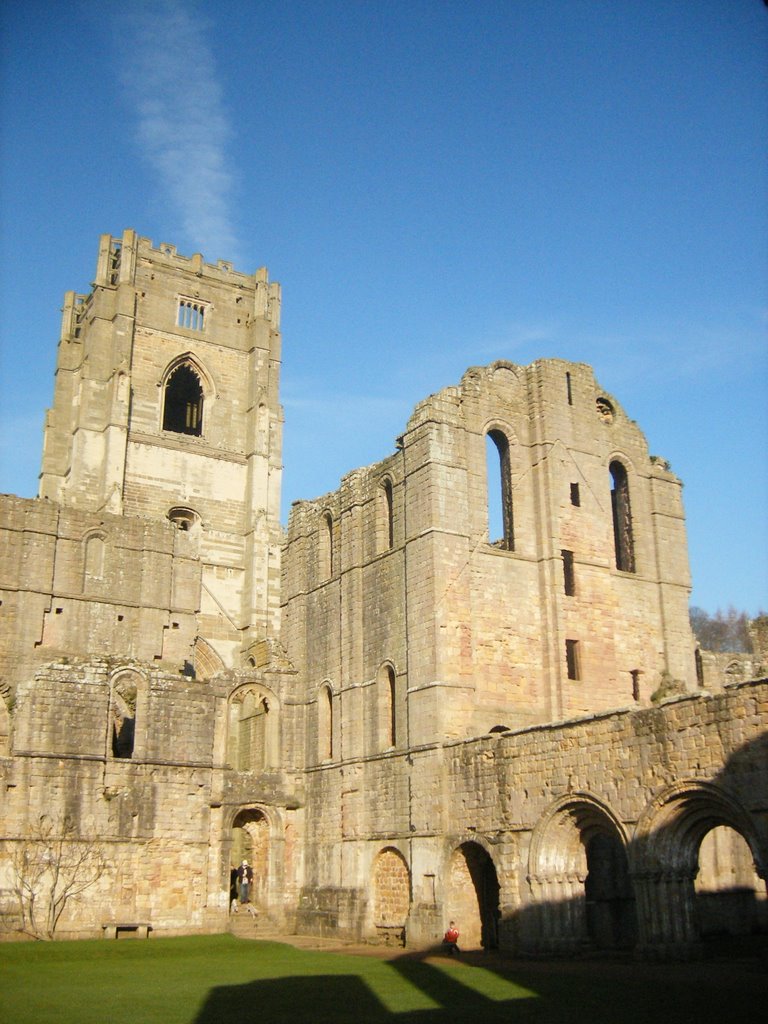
435	185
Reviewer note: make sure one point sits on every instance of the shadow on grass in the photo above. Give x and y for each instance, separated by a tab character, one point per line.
406	990
425	989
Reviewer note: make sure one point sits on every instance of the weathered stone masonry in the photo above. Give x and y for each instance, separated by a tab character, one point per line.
400	712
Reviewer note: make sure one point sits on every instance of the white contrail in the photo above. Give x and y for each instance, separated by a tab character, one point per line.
183	129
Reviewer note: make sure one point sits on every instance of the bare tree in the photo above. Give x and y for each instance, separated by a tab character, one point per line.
50	869
723	631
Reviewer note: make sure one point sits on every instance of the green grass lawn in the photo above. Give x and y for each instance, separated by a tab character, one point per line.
222	980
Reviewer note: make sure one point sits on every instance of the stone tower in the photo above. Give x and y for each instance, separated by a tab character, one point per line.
166	407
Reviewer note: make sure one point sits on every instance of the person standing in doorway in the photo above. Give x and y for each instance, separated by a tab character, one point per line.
245	878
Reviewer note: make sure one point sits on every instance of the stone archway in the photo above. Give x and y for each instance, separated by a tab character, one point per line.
391	896
472	897
580	881
250	841
676	855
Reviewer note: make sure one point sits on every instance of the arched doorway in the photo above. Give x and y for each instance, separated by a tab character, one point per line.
391	896
610	906
250	841
472	899
696	858
579	875
730	896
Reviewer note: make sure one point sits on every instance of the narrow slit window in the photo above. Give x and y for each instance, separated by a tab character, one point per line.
622	518
568	389
569	575
575	495
572	659
635	673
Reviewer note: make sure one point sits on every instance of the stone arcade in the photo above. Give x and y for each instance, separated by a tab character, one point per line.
396	715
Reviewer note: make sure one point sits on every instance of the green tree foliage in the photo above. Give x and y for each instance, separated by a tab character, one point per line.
723	631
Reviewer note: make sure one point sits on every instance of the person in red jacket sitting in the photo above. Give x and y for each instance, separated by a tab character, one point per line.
451	939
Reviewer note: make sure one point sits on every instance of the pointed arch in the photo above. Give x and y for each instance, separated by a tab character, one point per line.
206	660
186	388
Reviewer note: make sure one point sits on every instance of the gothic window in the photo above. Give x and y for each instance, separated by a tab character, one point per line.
500	519
183	405
191	315
622	518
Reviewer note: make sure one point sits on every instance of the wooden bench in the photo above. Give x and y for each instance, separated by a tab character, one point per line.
113	928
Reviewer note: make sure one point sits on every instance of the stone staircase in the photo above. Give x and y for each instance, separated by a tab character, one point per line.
254	925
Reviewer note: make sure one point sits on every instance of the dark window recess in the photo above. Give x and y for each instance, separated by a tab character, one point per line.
569	576
183	412
569	392
635	673
123	732
572	659
622	519
575	496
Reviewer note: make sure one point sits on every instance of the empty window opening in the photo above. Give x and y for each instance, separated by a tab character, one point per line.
622	518
635	673
191	315
699	667
325	547
124	696
500	518
569	575
568	389
183	412
572	659
575	496
114	264
386	517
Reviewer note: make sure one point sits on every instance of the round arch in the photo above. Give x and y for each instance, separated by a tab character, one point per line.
471	896
579	878
391	895
252	728
669	847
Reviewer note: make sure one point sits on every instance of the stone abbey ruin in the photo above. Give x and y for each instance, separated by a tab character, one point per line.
396	716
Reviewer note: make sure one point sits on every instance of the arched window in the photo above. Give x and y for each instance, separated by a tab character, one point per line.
387	707
500	519
325	724
123	715
94	557
385	523
251	745
622	518
325	547
183	402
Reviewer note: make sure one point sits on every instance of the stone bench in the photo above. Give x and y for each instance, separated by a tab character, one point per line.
113	928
